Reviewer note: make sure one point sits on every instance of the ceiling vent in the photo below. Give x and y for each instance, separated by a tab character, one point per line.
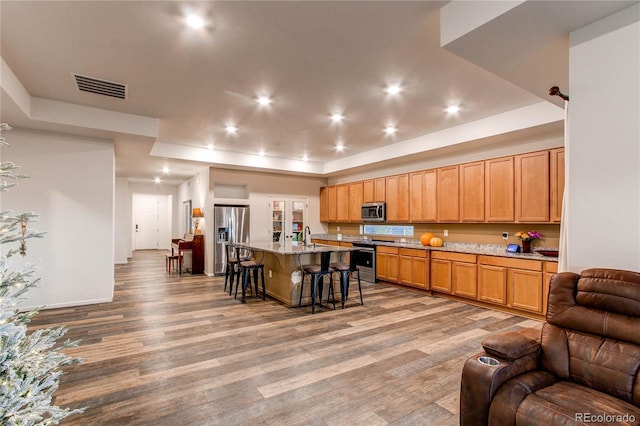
101	87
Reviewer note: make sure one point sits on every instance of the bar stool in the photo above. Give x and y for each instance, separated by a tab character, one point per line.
316	276
174	260
233	258
246	267
346	270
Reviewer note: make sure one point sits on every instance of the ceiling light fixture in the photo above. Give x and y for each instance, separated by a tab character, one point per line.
194	21
264	100
210	147
305	157
340	146
337	117
157	180
165	170
453	109
231	129
390	130
393	89
261	153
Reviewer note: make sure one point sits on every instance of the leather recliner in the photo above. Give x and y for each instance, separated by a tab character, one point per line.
583	367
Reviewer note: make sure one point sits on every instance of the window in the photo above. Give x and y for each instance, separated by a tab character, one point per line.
395	230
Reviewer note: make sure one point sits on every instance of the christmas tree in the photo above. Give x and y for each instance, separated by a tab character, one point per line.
30	363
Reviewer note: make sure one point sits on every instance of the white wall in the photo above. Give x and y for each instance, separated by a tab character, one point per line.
71	186
122	222
604	146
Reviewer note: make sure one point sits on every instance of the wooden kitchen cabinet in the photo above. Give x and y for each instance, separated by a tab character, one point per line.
332	203
342	201
556	162
397	196
374	190
387	263
414	267
324	204
356	197
423	196
453	273
472	192
550	269
516	283
532	187
499	190
448	194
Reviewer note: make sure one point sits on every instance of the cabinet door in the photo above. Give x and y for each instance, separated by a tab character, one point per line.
387	267
557	183
379	189
368	194
525	290
423	200
342	201
397	190
499	190
413	271
472	192
532	187
324	204
356	195
464	279
448	198
332	203
492	284
441	275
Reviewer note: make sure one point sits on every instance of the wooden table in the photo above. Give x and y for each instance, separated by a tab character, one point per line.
282	265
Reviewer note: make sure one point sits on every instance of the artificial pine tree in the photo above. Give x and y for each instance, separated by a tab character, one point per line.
30	363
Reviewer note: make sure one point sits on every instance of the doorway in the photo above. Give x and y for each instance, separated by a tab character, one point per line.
151	222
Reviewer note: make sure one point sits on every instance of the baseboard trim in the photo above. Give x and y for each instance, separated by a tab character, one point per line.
67	305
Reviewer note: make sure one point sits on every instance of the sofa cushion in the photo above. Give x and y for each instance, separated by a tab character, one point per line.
610	290
568	403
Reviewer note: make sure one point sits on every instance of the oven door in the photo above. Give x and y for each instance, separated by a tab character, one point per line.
365	259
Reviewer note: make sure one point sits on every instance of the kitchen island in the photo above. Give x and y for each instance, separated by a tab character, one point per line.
282	265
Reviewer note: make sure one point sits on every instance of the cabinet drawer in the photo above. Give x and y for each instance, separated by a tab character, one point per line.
317	241
387	249
346	244
413	252
551	267
458	257
529	265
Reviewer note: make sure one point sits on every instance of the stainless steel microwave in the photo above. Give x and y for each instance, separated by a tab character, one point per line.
374	212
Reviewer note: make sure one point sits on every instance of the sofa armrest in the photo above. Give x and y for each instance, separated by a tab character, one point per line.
480	381
512	345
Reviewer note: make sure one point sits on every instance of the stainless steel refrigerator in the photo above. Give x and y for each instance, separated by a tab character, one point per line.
231	224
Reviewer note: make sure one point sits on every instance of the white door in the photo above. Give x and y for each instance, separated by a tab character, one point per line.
151	222
288	219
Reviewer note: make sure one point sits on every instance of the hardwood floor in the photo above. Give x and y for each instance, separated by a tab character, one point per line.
178	350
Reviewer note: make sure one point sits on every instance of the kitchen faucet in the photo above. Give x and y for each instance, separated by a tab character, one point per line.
306	229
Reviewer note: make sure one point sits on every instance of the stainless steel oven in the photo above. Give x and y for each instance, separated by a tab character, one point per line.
365	258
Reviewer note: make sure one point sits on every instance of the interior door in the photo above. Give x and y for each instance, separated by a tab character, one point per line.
288	219
151	222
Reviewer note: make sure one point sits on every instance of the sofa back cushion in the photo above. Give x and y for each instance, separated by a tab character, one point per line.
592	335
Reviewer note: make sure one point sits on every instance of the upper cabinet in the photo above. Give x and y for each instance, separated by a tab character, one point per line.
397	190
472	192
499	190
448	190
423	196
556	163
526	188
532	187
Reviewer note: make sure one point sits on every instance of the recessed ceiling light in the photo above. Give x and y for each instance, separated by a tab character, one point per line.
264	100
157	180
194	21
305	157
210	147
231	129
337	117
261	153
393	89
390	130
165	170
339	146
452	109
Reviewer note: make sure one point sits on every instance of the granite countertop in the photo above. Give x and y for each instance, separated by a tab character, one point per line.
291	247
459	247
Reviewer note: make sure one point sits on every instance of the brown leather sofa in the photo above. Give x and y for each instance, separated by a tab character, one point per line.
582	368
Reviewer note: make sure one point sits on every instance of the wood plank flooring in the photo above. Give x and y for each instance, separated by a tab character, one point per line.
175	350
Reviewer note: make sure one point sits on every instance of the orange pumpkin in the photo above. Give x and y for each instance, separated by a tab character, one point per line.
425	238
436	242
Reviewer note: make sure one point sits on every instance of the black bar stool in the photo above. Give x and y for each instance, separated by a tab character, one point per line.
233	257
346	271
246	267
316	275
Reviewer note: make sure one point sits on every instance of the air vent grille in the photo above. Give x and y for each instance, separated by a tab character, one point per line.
101	87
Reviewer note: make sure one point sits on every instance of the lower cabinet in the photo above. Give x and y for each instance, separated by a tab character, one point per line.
414	267
454	273
516	283
387	263
550	268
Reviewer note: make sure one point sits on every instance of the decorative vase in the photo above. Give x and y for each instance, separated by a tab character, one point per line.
526	246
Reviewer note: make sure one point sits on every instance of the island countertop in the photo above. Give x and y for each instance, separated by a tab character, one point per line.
291	247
